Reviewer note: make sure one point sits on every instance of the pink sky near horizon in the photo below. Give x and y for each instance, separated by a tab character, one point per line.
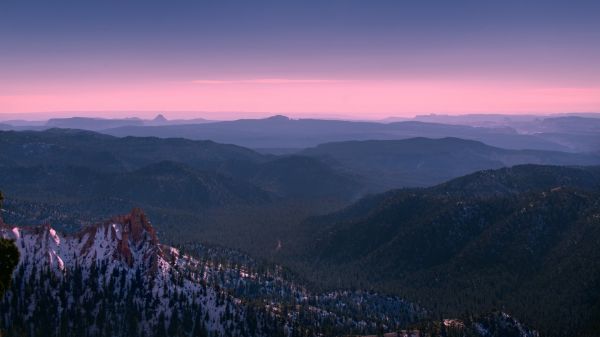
360	99
247	59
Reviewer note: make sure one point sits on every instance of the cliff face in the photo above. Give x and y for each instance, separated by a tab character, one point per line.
128	239
133	236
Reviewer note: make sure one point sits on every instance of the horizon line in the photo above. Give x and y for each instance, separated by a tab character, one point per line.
47	115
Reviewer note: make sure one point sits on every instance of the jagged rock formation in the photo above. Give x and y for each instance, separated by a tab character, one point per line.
115	279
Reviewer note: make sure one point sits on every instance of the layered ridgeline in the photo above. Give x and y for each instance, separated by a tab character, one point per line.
116	279
276	134
204	189
284	132
334	170
523	239
418	162
60	149
70	176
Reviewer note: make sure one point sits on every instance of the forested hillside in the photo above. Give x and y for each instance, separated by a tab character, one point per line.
495	239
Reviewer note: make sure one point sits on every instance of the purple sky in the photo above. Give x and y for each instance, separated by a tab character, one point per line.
364	59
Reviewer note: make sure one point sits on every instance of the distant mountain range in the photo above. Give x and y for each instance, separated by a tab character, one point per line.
279	134
282	132
491	120
524	239
94	123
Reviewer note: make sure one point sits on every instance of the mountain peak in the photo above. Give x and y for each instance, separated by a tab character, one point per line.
136	223
278	118
160	118
129	239
103	268
132	234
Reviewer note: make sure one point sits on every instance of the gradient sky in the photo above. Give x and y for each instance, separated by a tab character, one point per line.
364	59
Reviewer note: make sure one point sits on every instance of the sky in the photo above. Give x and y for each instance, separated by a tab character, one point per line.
361	59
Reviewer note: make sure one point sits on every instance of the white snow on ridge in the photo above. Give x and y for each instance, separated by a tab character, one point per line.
118	231
41	247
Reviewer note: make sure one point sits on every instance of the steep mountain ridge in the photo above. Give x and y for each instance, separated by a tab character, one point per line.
115	279
496	238
129	239
119	268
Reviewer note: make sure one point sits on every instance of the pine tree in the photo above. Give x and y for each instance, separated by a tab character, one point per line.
199	328
160	327
9	258
173	329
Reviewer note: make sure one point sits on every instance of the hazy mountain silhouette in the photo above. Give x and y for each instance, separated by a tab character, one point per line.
94	124
62	172
386	164
282	132
102	152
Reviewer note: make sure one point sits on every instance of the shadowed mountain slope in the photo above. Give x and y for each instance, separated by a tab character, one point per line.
386	164
503	238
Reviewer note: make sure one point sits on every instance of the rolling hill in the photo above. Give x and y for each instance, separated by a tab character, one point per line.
417	162
195	189
102	152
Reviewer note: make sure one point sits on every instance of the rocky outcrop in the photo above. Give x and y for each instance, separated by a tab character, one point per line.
137	232
105	273
136	226
128	238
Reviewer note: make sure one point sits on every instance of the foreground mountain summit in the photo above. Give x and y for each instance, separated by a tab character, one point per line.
112	279
116	279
